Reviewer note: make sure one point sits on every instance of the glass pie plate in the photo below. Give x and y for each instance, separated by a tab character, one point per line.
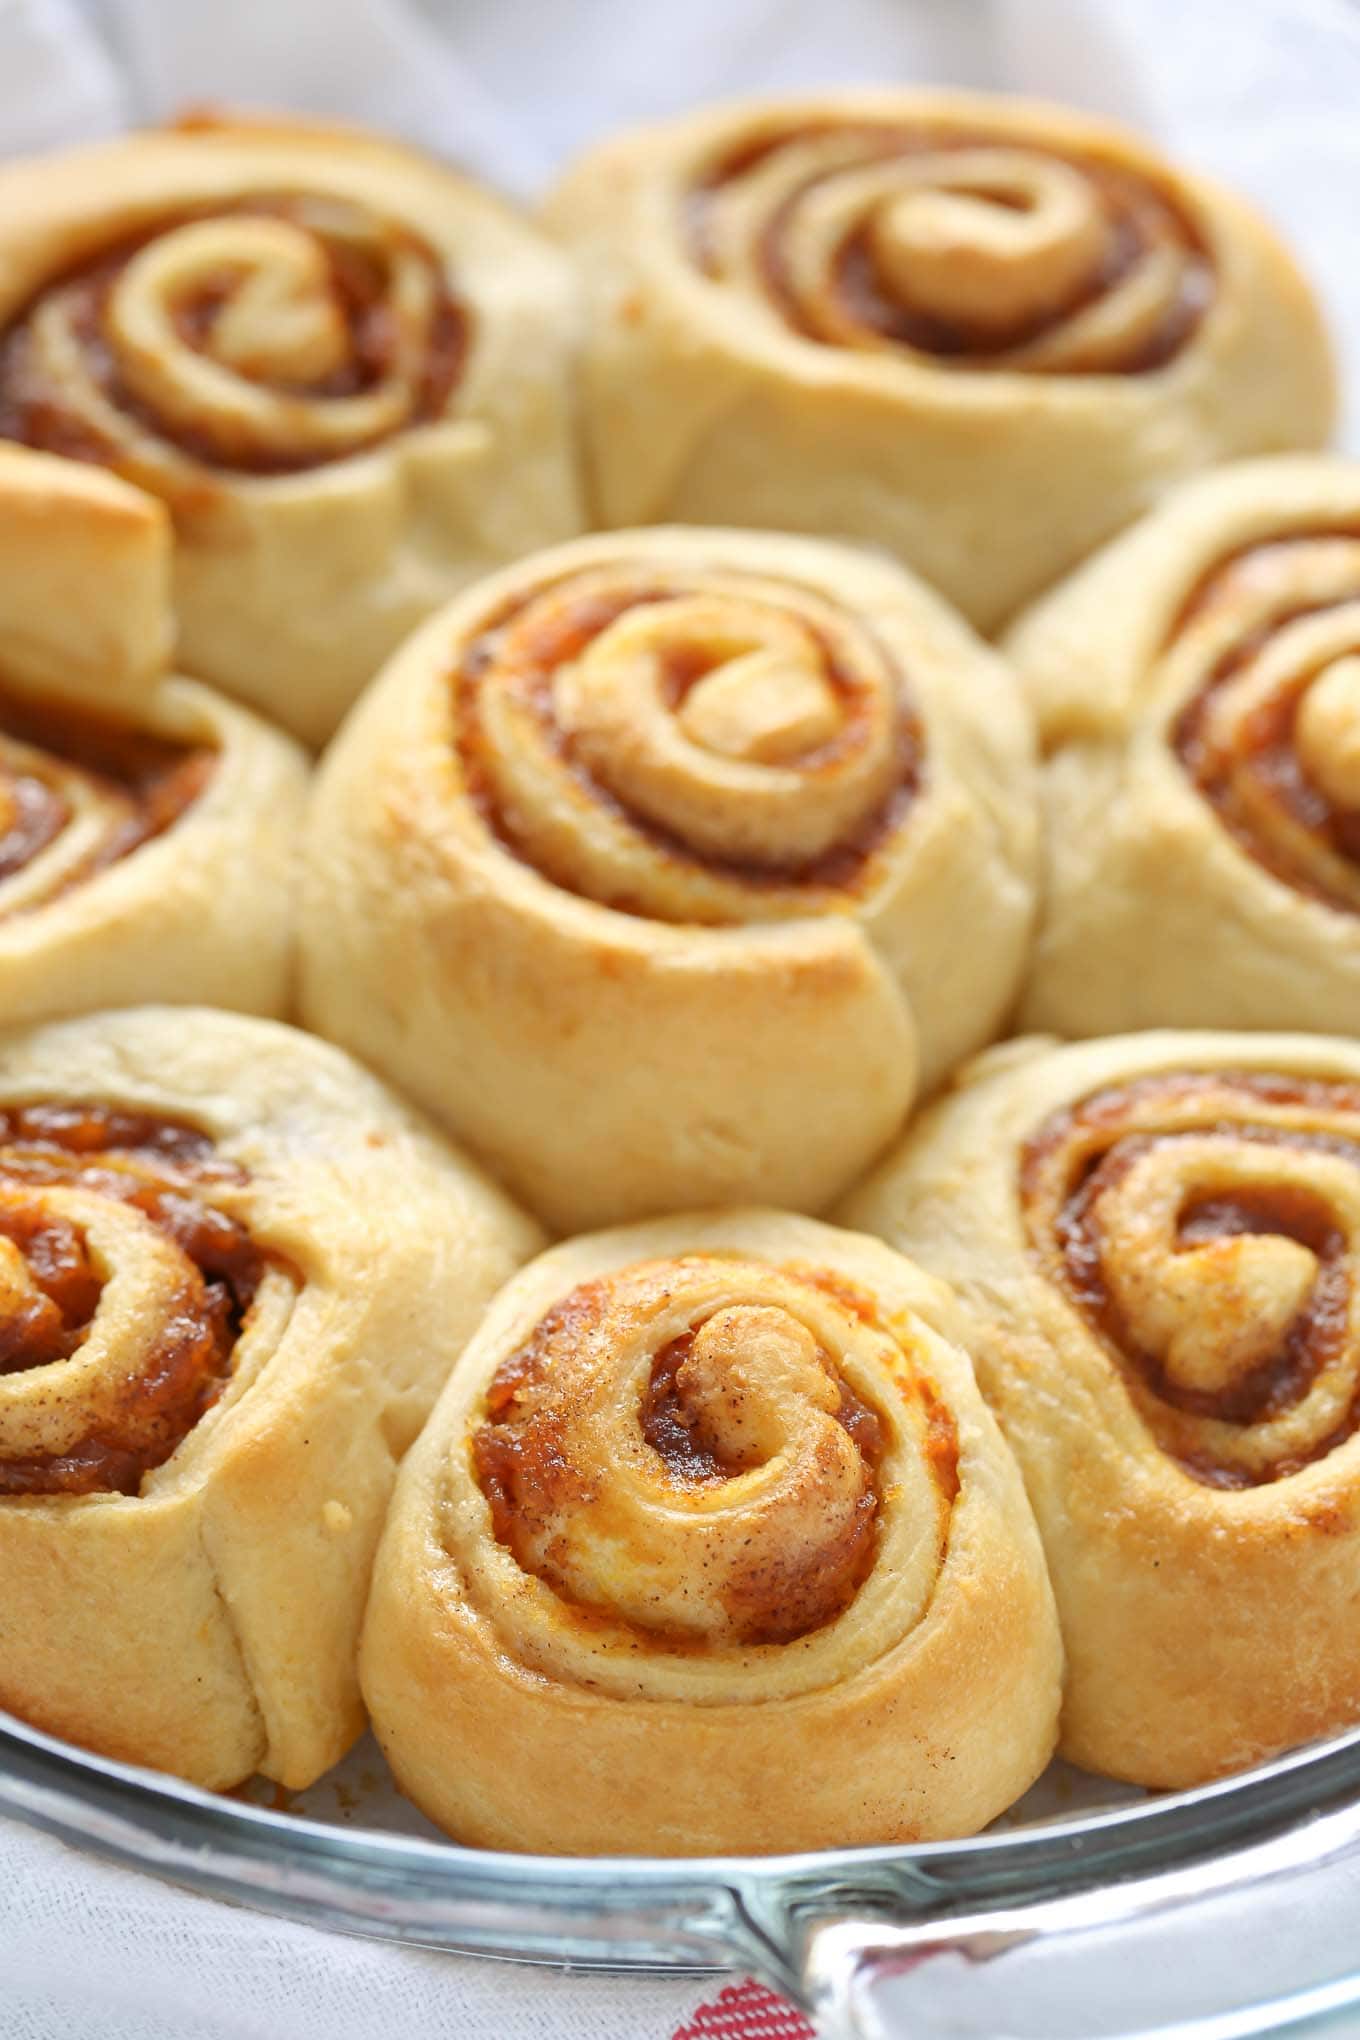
1225	1911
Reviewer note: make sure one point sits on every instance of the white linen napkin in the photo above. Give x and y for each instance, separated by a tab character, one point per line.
1263	92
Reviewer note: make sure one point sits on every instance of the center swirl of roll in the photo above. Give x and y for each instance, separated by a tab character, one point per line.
687	1450
1266	656
78	794
124	1288
967	247
277	335
1207	1226
688	746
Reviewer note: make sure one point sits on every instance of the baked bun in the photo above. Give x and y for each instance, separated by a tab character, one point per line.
979	334
710	1545
1198	691
665	866
324	352
233	1274
1157	1240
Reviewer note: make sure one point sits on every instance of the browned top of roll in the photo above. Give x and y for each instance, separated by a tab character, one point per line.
687	744
263	337
60	1161
954	245
1206	1225
1270	734
88	790
741	1412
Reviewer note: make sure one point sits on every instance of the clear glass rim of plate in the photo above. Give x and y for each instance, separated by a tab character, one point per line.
648	1912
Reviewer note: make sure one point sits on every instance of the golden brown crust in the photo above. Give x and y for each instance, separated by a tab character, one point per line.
84	585
623	1596
1157	1239
1198	692
321	351
233	1272
630	845
980	333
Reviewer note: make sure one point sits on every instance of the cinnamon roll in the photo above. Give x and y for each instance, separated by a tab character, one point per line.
1157	1239
662	867
979	334
1198	691
148	827
233	1272
323	352
710	1544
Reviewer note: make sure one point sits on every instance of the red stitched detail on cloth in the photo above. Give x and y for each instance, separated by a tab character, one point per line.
746	2011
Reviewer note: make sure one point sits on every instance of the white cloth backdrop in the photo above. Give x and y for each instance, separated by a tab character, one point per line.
1263	92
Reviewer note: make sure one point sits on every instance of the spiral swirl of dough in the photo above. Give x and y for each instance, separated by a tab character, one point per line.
1156	1237
323	352
973	249
268	337
77	796
701	1496
636	836
1271	731
233	1272
129	1293
690	745
713	1457
978	335
1197	686
1207	1227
